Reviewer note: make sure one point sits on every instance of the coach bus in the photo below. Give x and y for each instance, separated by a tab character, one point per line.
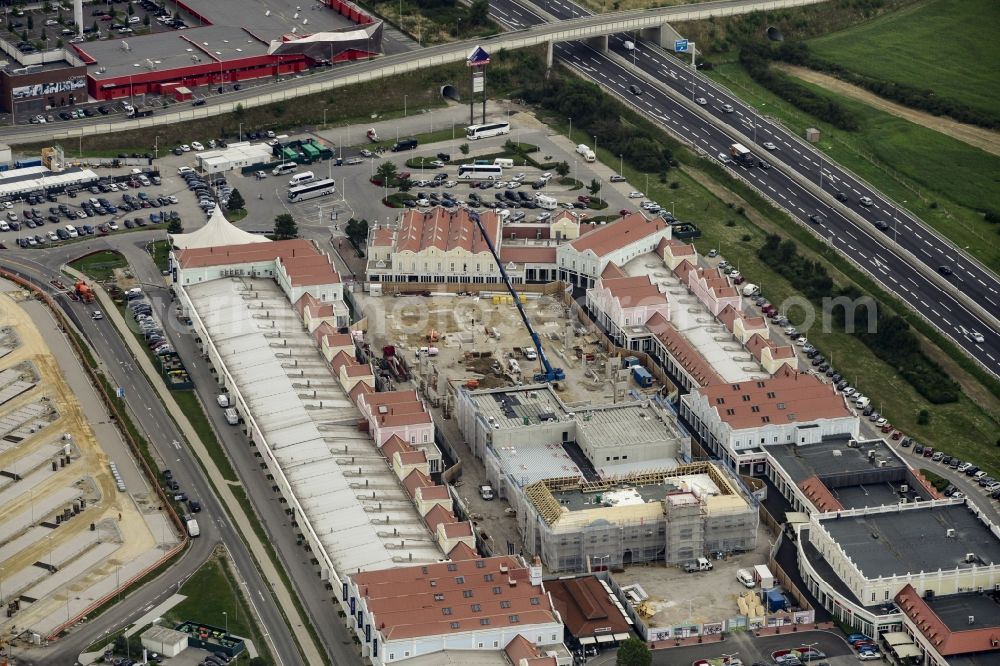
319	188
473	132
480	171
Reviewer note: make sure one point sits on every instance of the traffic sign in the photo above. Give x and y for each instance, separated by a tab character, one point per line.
680	45
120	392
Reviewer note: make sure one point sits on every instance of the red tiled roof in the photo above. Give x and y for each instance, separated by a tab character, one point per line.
224	255
948	643
359	390
683	270
437	515
786	397
438	492
317	308
400	408
528	255
382	237
633	291
445	229
412	457
359	370
520	648
458	530
612	271
586	607
339	360
306	271
821	496
757	343
624	231
679	248
453	597
728	316
416	479
683	351
461	551
394	444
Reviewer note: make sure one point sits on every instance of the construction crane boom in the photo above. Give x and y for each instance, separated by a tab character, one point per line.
549	373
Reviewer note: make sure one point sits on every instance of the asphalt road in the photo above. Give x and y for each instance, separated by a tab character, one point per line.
861	243
148	413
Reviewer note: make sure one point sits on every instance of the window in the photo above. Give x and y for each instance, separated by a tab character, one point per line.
535	601
730	412
467	594
514	619
456	625
505	604
476	608
771	395
488	578
438	596
485	621
452	566
765	419
446	610
480	564
746	398
720	401
434	583
460	580
755	409
496	590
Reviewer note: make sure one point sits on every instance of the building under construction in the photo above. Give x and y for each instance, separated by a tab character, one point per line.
688	512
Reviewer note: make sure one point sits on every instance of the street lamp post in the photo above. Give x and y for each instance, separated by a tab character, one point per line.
226	615
404	106
809	647
729	657
571	129
324	117
621	168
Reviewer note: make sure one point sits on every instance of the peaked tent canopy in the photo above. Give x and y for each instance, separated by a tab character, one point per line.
217	231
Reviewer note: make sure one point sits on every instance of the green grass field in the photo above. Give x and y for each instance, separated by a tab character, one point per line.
100	265
942	180
948	46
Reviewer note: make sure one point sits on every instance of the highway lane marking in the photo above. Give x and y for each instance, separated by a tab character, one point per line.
945	306
980	282
990	356
851	234
925	252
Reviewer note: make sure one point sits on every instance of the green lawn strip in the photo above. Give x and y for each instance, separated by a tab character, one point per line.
235	215
215	597
100	266
161	251
935	479
945	182
964	70
191	406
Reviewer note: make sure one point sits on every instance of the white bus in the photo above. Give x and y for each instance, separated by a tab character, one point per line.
473	132
480	171
301	178
320	188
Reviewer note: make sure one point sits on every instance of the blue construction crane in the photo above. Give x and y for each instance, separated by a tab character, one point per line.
549	374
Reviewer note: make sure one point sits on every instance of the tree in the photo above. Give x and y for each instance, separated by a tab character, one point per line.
96	29
131	10
386	171
464	148
634	652
175	227
31	23
594	188
285	227
236	201
43	36
562	169
24	35
259	661
924	417
145	20
405	185
479	13
59	43
357	231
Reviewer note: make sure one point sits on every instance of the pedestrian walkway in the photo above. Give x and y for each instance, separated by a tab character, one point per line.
224	490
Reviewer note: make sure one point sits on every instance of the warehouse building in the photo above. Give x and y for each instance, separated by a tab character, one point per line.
234	156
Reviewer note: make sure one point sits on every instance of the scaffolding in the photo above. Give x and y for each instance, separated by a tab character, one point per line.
676	526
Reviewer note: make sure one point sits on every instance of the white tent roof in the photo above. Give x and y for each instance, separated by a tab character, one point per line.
217	231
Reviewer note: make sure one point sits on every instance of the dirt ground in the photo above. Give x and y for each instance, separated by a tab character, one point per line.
977	137
116	514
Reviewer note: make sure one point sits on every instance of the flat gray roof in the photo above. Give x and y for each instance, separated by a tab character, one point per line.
955	610
914	540
832	457
510	407
170	50
272	17
575	500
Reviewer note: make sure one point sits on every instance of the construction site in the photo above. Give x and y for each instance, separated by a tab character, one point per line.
672	517
78	520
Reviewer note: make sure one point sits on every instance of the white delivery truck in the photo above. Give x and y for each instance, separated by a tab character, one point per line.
545	202
232	416
504	162
192	528
222	399
584	151
763	576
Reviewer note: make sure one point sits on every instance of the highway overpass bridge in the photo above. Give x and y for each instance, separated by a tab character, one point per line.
653	23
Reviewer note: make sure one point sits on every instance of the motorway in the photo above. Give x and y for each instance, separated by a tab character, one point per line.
149	415
669	103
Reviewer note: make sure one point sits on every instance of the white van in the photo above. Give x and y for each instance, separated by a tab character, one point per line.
71	230
301	178
232	416
504	162
287	167
862	402
545	202
746	578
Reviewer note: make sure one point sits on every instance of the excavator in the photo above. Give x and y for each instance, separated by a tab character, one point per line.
548	374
